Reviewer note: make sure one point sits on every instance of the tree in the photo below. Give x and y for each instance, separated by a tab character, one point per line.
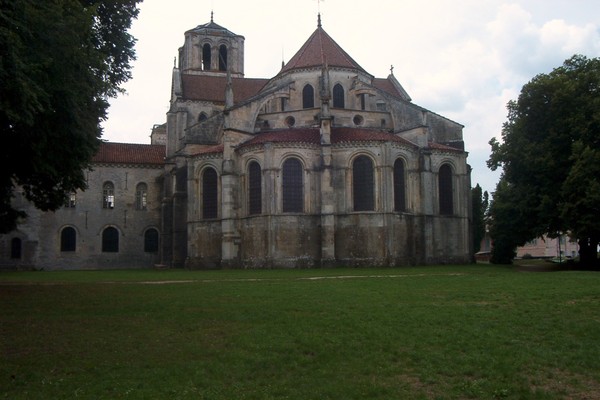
60	62
480	202
549	155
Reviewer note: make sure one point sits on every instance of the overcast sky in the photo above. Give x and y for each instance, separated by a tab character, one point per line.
463	59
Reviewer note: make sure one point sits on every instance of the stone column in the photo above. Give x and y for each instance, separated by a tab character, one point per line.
327	197
229	183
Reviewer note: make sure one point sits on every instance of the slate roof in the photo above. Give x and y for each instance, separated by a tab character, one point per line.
212	88
130	153
212	28
319	49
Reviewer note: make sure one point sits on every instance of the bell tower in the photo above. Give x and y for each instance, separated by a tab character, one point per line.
210	49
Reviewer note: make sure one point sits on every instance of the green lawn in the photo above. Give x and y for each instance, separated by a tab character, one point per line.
452	332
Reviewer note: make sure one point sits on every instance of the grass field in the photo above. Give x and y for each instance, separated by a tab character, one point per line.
452	332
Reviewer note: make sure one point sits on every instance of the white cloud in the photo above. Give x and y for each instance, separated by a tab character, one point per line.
463	59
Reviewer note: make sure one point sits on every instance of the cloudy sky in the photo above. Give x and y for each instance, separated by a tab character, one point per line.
463	59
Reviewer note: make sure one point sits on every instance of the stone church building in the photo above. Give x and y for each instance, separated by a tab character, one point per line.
321	165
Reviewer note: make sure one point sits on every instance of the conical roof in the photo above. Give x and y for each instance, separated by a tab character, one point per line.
321	49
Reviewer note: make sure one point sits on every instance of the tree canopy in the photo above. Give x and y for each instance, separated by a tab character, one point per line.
60	63
550	157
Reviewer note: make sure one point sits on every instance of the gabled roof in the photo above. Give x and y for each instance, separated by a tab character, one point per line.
321	49
212	88
130	153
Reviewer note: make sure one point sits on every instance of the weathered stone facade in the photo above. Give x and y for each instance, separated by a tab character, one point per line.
328	115
75	236
321	165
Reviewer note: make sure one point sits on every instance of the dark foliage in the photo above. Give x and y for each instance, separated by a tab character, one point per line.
550	154
60	62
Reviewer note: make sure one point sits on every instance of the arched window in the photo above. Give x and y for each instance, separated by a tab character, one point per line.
338	96
210	193
363	184
141	196
15	248
206	57
399	186
108	195
151	241
308	97
202	117
445	190
68	239
110	240
254	188
292	186
222	58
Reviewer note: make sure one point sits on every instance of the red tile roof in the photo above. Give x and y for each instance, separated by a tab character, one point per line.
212	88
443	147
318	49
387	86
312	136
299	135
196	150
343	135
130	153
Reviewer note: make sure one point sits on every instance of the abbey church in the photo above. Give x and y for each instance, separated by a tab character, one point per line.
322	165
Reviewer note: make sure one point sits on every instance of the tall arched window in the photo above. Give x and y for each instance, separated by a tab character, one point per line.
110	240
141	196
338	96
206	57
399	186
254	189
363	184
222	58
210	193
292	186
445	190
108	195
308	97
151	241
15	248
68	239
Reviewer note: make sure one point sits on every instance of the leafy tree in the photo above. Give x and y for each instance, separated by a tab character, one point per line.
60	62
480	202
549	155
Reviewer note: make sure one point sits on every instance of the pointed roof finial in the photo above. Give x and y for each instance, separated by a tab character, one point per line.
211	16
319	20
391	70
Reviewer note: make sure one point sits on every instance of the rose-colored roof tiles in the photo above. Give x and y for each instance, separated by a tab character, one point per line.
130	153
318	50
212	88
